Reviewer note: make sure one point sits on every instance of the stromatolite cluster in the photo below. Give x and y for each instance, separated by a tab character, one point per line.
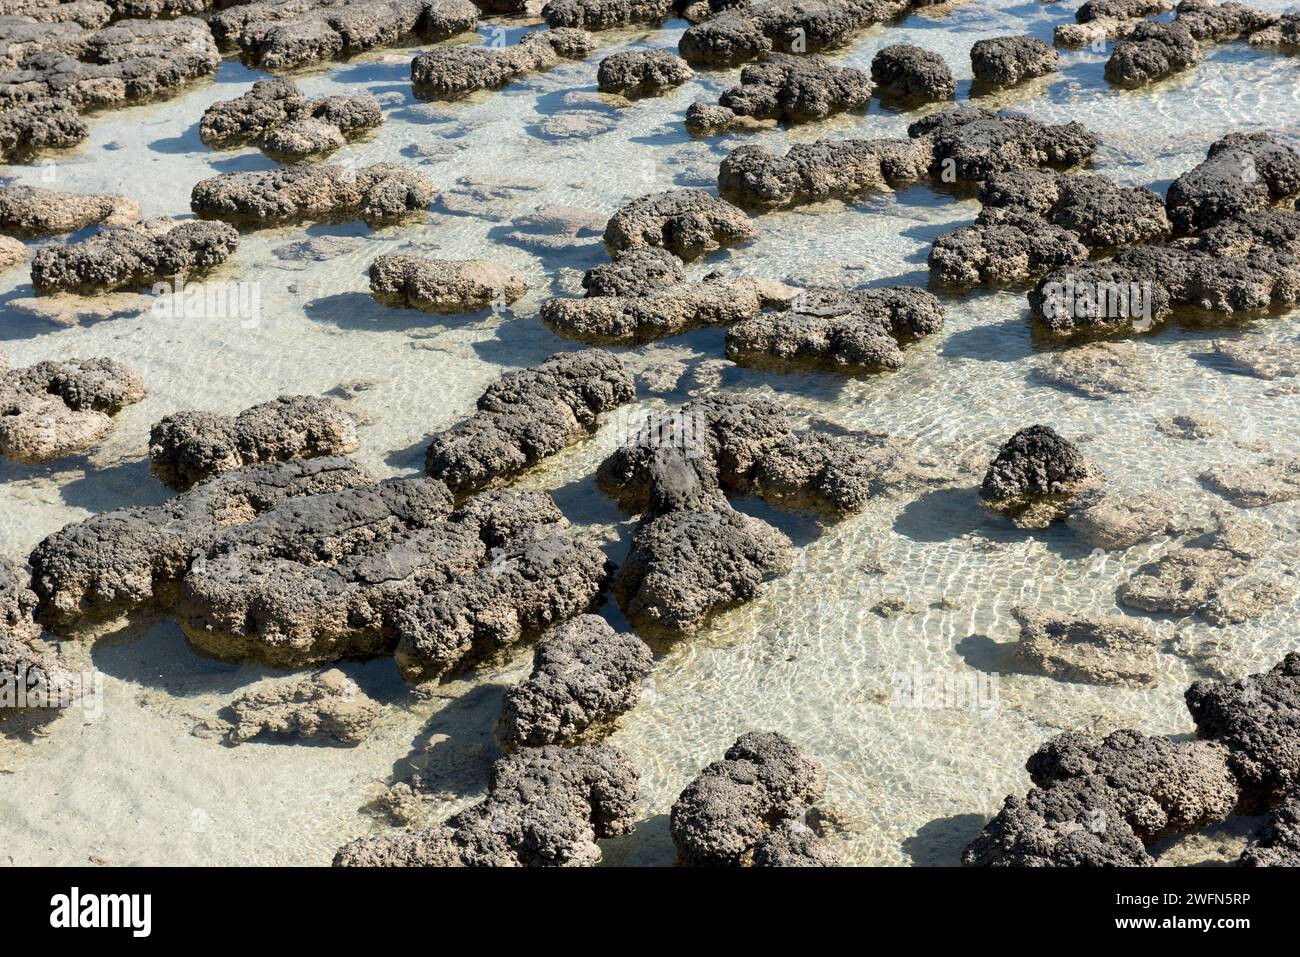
1036	476
275	116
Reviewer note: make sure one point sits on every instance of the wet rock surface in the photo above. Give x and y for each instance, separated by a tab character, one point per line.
1112	522
30	211
584	676
378	194
1252	486
58	408
642	73
188	447
1036	476
131	257
1107	650
457	70
444	285
1098	370
686	222
1279	840
275	116
545	807
734	805
909	72
327	705
528	416
1006	61
283	34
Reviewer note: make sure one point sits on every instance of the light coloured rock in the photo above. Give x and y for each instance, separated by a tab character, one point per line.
328	704
1108	650
1113	522
444	285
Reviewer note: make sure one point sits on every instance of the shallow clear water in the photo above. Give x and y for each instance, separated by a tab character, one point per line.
809	658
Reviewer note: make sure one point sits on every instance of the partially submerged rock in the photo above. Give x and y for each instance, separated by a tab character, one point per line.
528	416
378	194
33	124
1036	476
279	35
1108	650
444	285
17	603
59	408
29	678
1006	61
820	170
1100	212
848	331
972	143
1242	172
275	116
734	805
604	14
457	70
584	676
1278	842
1002	247
642	73
911	73
131	257
1102	20
1097	369
545	807
188	447
30	211
1151	51
327	704
796	89
686	222
1112	522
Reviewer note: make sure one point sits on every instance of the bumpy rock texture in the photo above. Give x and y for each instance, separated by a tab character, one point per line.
130	257
59	408
1100	212
1242	172
545	807
686	222
1003	247
1006	61
444	285
1110	650
584	676
642	73
604	14
1036	476
528	416
734	805
325	705
379	194
283	34
275	116
912	73
457	70
29	678
1152	51
792	89
188	447
30	211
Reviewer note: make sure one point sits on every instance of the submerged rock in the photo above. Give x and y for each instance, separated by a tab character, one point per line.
1242	172
1037	476
378	194
275	116
1112	522
734	805
131	257
456	70
1251	486
528	416
912	73
1109	650
328	704
59	408
29	211
1151	51
1006	61
853	331
1263	360
188	447
279	35
642	73
444	285
1097	370
686	222
584	676
545	807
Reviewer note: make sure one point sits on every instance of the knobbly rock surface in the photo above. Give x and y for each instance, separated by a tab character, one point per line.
642	73
1284	35
545	807
29	126
1215	22
59	408
605	14
444	285
796	89
1150	52
1098	370
686	222
1278	844
30	211
1243	172
634	272
911	73
1112	522
131	257
275	116
1100	212
1036	476
378	194
122	561
279	35
29	678
973	143
1211	575
1258	718
820	170
733	805
849	331
1006	61
457	70
1003	247
653	310
1098	299
584	676
328	704
793	844
1109	650
12	252
1251	486
17	603
188	447
528	416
